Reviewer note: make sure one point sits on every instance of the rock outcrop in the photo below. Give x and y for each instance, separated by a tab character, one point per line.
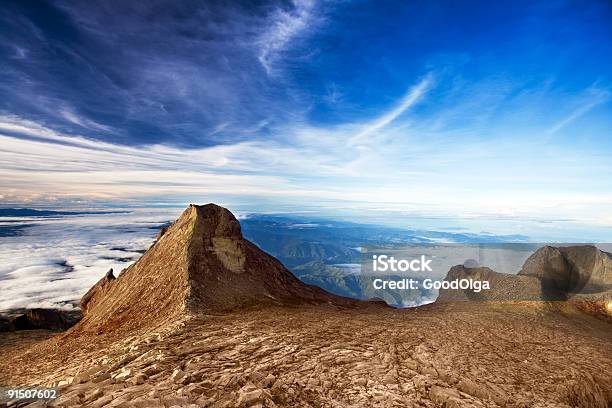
572	270
201	263
5	324
503	286
45	319
551	274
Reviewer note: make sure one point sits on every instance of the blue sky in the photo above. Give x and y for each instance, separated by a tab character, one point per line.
473	110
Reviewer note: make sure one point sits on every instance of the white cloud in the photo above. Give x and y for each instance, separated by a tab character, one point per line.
285	27
413	95
57	260
20	52
384	163
72	117
593	98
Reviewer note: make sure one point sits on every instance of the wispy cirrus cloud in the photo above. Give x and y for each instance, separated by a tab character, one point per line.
192	77
285	27
72	117
410	171
411	97
593	97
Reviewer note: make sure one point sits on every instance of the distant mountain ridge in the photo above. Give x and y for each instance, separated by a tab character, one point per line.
283	237
312	248
30	212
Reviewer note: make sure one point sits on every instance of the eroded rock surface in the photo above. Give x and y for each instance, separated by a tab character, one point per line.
506	355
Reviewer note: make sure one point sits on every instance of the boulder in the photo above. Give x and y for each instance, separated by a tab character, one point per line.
571	270
549	265
591	268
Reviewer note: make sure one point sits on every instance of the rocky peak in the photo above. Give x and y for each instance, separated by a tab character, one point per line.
216	222
201	263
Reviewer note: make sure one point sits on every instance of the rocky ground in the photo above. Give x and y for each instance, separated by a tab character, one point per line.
464	354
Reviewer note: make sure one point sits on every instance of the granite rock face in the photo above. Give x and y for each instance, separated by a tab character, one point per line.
549	265
579	273
199	264
467	354
572	270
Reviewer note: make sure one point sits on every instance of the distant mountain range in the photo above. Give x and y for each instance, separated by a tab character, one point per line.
323	252
29	212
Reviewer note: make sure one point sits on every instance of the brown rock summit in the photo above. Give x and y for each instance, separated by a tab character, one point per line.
580	269
201	263
576	273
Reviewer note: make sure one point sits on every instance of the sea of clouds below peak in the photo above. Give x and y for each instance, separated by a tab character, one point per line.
51	262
